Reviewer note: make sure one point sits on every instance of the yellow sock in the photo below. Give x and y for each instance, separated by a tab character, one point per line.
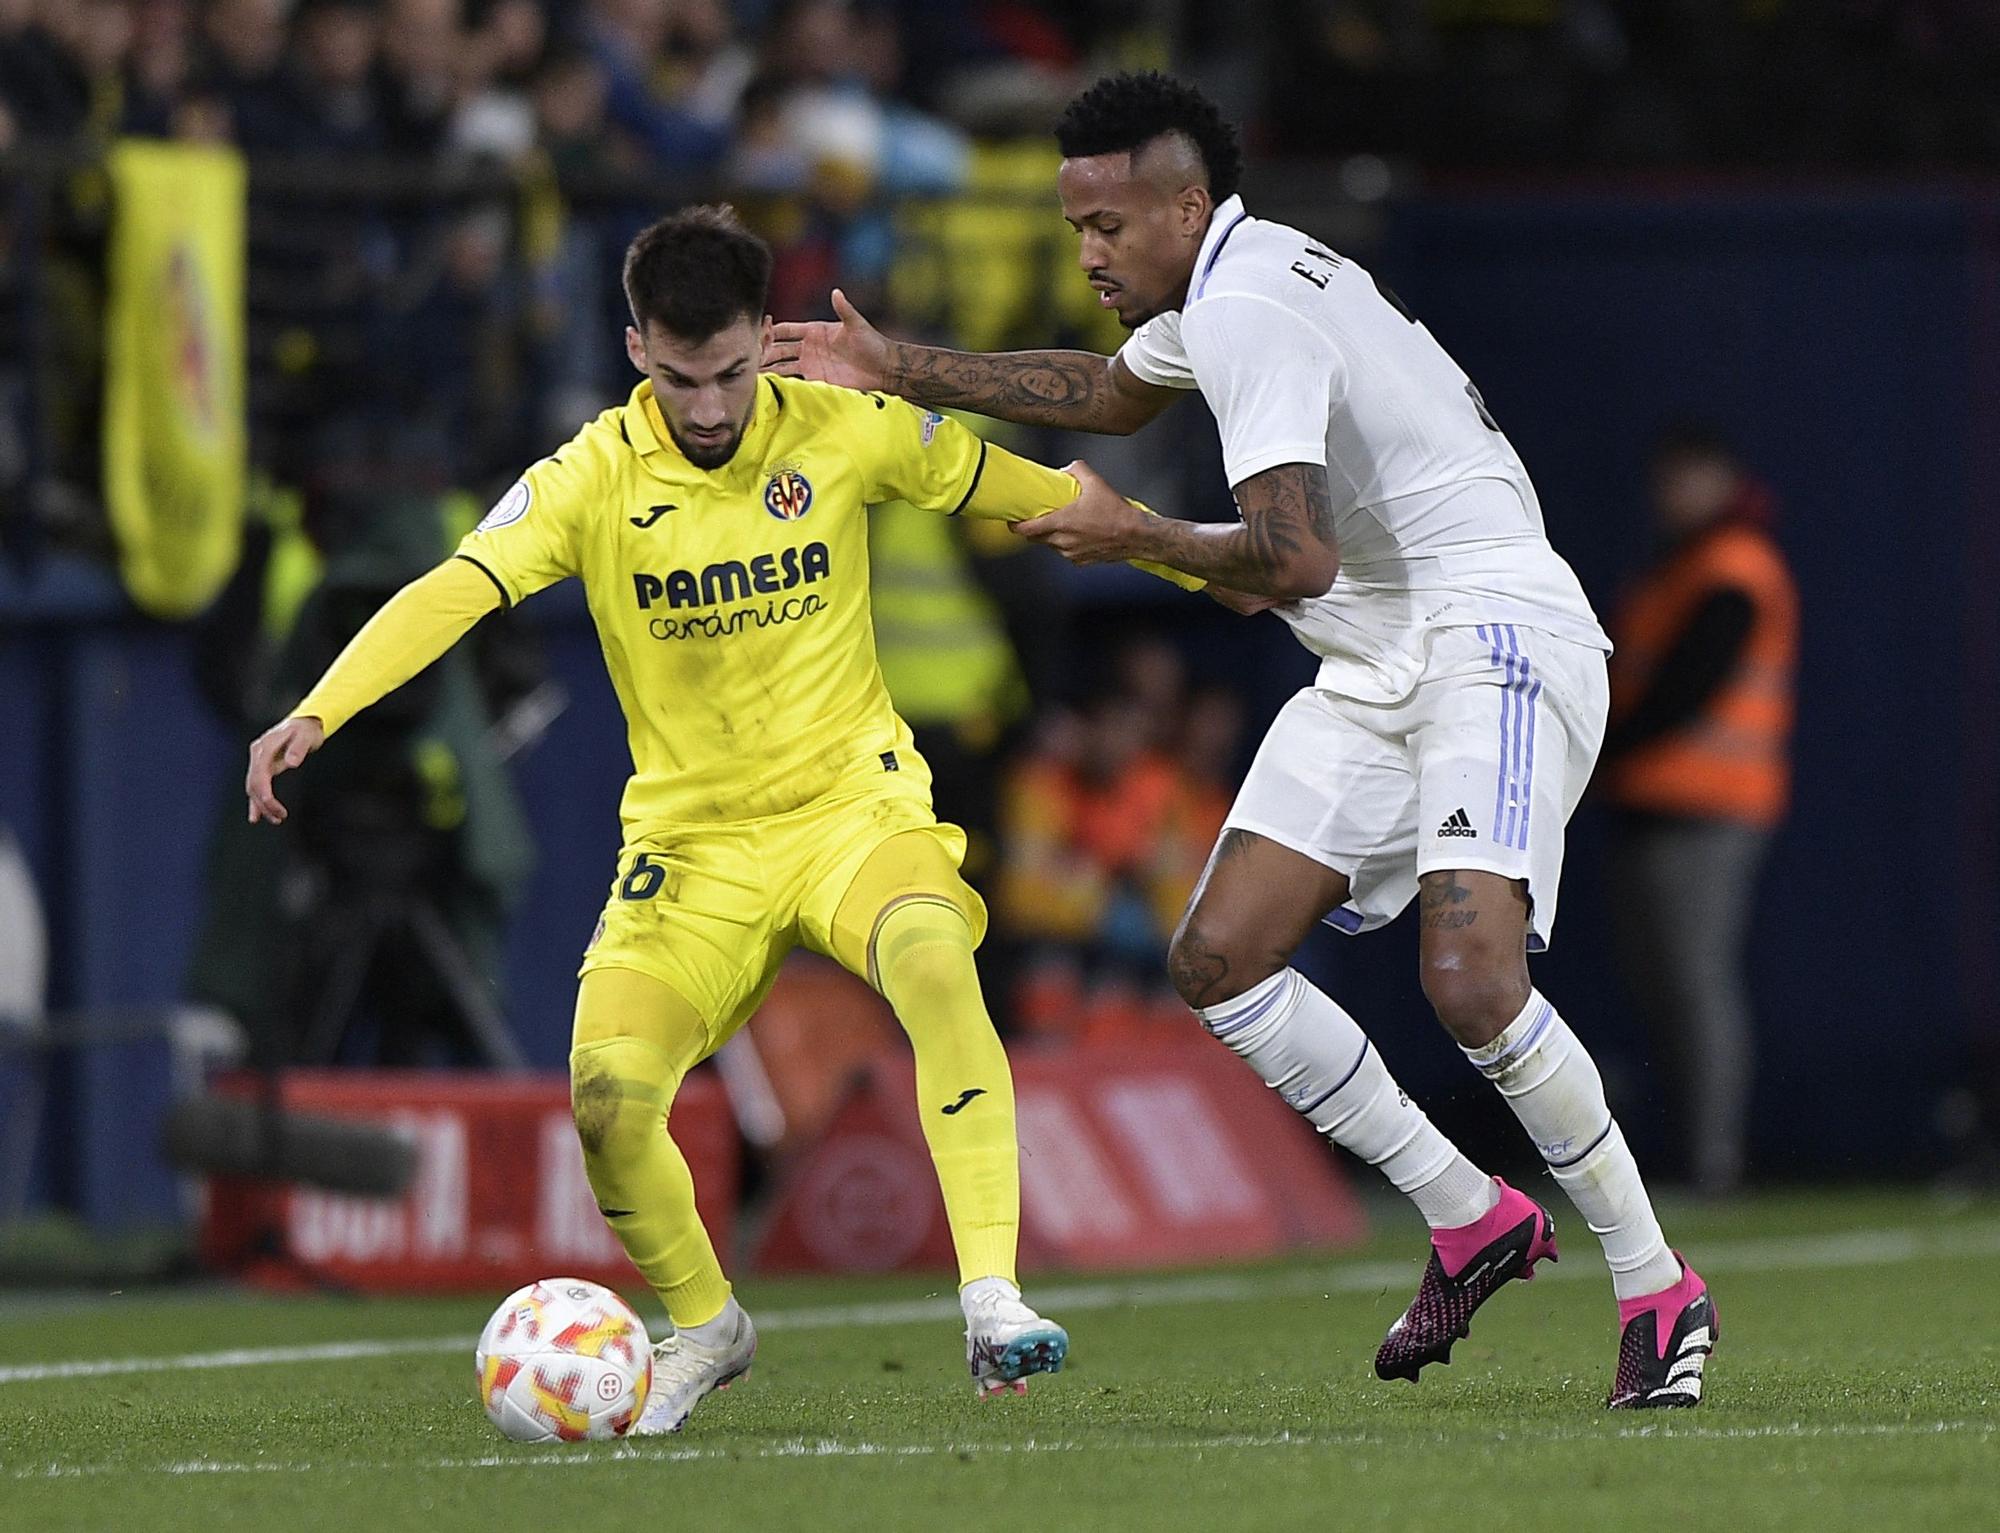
965	1092
634	1041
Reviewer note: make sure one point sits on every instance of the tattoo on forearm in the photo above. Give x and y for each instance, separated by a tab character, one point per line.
1036	388
1287	520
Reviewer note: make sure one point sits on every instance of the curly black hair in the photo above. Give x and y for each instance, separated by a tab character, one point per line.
696	272
1125	111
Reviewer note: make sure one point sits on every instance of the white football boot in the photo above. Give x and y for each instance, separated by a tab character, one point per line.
1005	1341
684	1370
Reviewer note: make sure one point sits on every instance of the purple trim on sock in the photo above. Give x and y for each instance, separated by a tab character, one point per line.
1235	1022
1359	1059
1527	1040
1584	1153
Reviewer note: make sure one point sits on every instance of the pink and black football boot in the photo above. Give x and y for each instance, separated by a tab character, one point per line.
1667	1339
1467	1266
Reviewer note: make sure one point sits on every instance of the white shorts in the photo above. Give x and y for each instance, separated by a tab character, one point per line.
1480	767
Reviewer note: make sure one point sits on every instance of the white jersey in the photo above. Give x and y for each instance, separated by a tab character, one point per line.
1305	358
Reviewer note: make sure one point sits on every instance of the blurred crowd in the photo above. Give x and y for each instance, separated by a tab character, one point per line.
770	93
441	190
762	91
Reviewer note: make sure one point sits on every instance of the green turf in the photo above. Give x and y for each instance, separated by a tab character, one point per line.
1855	1387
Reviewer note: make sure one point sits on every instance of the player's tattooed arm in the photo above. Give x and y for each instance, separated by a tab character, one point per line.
1284	548
1074	390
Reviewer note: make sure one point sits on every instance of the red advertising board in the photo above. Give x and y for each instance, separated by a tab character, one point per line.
1131	1156
499	1197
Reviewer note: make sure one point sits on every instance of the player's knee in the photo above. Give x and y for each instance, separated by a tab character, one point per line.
923	956
925	973
1208	962
1474	997
619	1091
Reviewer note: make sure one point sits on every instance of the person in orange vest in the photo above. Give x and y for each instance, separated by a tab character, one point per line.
1697	766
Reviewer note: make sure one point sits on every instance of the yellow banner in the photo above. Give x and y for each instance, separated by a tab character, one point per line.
174	435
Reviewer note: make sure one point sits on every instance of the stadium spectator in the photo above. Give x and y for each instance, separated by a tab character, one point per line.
627	38
499	56
35	81
1103	835
1695	761
838	64
571	92
423	51
708	62
70	67
159	69
242	64
333	106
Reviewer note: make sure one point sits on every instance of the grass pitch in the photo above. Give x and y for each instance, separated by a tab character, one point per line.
1854	1387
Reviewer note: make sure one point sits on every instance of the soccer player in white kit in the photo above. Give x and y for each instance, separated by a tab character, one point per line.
1454	722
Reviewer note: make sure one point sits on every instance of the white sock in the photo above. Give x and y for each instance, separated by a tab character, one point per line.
1549	1080
713	1333
1315	1056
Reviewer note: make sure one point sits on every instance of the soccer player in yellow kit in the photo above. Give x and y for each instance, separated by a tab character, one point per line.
716	520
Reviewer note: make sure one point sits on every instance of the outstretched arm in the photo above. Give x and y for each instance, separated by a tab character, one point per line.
1284	547
1016	489
415	626
1074	390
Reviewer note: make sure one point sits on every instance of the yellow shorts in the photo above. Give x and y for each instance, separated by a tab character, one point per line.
711	910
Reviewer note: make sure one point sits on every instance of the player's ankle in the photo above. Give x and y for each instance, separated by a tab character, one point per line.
712	1333
988	1288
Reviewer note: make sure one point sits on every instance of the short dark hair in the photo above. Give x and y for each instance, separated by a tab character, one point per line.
1125	112
696	272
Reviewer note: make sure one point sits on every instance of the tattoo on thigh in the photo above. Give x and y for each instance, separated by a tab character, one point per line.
1441	903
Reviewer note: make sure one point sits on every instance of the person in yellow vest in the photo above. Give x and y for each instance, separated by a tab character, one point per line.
1697	767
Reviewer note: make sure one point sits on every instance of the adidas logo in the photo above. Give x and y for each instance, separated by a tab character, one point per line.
1457	825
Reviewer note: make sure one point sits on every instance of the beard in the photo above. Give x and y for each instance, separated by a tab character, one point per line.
707	457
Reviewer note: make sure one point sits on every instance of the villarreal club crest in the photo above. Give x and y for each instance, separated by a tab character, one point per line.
788	494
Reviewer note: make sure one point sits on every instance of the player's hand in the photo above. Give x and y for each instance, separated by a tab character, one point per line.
276	750
850	351
1242	601
1099	527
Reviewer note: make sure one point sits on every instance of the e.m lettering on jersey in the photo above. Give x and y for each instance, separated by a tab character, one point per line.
729	581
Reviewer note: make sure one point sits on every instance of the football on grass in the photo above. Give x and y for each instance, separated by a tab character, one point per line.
563	1360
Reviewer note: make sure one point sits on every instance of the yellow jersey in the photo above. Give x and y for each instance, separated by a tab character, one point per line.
732	603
